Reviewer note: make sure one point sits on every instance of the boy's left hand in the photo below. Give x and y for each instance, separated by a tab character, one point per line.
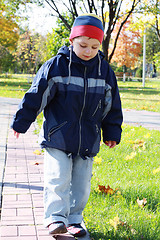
111	144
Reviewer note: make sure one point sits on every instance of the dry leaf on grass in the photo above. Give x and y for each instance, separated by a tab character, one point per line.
107	190
157	170
98	160
131	156
117	223
141	203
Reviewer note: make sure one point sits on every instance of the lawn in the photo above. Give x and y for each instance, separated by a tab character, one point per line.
134	96
124	200
124	203
14	86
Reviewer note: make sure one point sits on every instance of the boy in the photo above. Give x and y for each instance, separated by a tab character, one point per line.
77	90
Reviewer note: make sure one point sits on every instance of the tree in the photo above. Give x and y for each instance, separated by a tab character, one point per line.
111	12
128	47
8	28
57	38
28	52
151	9
152	47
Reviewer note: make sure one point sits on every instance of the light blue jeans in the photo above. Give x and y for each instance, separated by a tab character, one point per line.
66	186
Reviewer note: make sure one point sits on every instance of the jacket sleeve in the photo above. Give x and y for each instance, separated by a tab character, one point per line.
34	101
111	124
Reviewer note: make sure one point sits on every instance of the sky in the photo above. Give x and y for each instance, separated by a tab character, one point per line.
39	18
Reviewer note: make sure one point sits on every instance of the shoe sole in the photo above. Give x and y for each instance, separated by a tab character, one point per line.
58	230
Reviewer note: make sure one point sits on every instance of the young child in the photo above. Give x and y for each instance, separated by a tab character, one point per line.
77	90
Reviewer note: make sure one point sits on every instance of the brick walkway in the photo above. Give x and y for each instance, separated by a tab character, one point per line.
22	199
22	183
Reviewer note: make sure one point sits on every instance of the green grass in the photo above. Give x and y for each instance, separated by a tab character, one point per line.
132	169
14	86
134	96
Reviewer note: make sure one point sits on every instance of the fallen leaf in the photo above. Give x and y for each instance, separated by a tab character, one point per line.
138	143
131	156
37	152
35	163
114	222
147	135
157	170
98	160
141	203
107	190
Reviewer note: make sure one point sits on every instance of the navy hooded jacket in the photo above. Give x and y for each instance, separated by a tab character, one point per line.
78	99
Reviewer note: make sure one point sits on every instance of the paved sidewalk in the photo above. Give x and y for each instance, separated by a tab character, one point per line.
150	120
21	182
21	176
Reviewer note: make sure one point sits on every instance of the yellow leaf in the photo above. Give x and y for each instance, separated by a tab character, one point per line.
157	170
37	152
131	156
98	160
114	222
147	135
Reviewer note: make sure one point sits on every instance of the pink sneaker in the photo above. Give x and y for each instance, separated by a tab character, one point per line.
76	230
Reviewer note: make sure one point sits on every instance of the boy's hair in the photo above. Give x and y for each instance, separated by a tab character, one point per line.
88	25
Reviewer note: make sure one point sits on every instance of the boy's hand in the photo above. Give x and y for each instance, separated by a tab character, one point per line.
16	134
111	144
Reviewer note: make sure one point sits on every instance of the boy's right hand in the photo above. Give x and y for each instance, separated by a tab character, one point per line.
16	134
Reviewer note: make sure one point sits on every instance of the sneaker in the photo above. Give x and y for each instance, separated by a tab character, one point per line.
57	228
76	230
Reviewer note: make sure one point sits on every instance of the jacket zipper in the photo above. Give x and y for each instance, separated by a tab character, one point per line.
55	129
98	107
84	102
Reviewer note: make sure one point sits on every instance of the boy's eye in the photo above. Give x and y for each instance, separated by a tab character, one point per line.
83	46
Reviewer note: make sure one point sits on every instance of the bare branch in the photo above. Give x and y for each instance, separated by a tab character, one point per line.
157	28
55	8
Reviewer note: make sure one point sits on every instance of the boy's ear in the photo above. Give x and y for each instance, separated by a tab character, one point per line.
71	41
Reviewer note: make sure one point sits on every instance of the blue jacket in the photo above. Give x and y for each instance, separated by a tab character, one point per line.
79	98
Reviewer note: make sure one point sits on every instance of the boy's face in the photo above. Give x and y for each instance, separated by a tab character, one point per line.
84	47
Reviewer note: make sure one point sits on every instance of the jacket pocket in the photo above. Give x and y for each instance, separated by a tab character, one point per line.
54	129
97	108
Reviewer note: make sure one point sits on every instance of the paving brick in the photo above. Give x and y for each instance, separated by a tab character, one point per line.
20	238
24	212
9	198
17	221
9	212
17	204
24	197
27	231
9	231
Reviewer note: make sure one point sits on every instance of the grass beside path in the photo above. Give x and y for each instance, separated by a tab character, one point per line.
14	86
125	199
134	96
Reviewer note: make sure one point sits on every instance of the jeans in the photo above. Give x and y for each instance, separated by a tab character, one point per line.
66	186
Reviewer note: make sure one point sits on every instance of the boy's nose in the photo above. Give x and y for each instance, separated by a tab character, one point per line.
88	50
